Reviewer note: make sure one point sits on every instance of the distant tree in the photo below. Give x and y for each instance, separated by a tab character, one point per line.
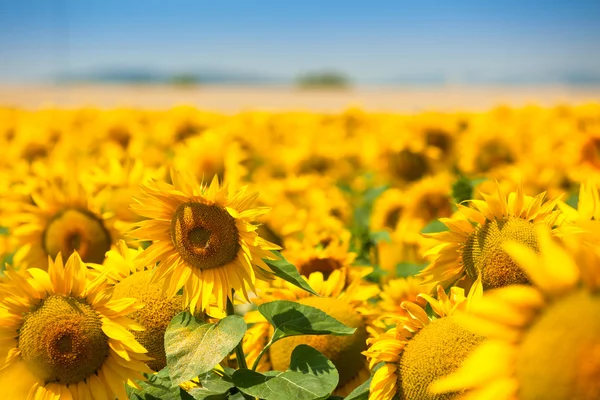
323	79
185	80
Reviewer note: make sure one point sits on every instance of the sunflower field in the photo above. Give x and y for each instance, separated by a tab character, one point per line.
185	254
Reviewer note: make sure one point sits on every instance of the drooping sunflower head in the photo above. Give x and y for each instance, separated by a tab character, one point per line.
560	312
419	350
203	238
472	246
65	335
62	219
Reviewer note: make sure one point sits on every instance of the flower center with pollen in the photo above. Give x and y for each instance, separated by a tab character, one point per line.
154	317
61	340
205	235
483	253
80	230
343	351
559	356
435	351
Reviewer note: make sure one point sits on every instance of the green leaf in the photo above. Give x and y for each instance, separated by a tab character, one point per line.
361	392
289	273
404	269
290	318
207	394
157	387
434	226
3	230
380	236
311	376
573	200
215	382
194	347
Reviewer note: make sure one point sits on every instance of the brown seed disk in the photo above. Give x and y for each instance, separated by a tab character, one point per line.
205	235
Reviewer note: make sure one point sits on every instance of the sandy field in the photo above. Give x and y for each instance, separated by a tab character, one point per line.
232	99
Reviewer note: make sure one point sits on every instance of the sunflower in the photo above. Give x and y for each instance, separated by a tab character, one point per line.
348	304
323	252
473	244
419	349
134	280
543	340
204	240
62	219
388	210
64	336
114	184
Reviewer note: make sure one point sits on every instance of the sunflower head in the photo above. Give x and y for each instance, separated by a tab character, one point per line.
420	350
61	340
558	312
477	235
67	334
156	315
204	239
63	218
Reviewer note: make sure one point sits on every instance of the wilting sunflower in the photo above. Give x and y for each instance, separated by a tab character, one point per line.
65	337
62	219
420	350
133	280
203	239
348	304
542	340
473	245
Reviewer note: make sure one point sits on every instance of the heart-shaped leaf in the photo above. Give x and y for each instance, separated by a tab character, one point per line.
194	347
310	376
290	318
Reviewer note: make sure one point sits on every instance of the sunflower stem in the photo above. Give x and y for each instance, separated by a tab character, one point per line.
261	354
239	350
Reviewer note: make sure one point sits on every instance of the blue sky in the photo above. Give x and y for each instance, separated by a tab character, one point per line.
371	41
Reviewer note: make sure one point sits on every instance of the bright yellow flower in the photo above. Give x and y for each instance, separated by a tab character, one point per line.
203	239
65	337
542	340
419	349
473	245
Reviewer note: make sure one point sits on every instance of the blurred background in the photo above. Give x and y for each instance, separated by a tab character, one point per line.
231	55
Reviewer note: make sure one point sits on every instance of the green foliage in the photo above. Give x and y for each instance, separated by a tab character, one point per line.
463	188
363	240
311	376
573	200
194	347
361	392
290	319
405	269
215	386
325	79
289	273
157	387
434	226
